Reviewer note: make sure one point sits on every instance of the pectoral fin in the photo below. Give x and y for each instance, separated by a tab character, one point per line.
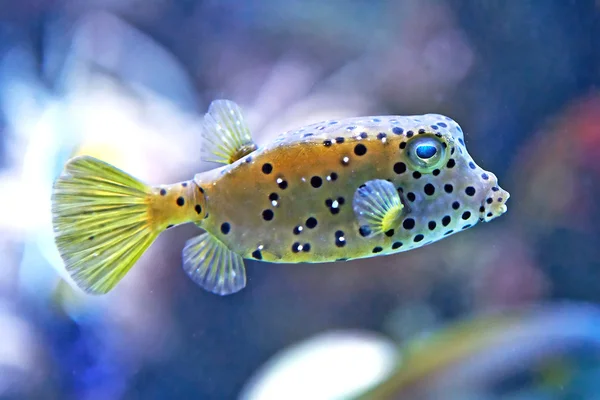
377	206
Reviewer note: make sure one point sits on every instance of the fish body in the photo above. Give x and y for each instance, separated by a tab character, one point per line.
331	191
293	198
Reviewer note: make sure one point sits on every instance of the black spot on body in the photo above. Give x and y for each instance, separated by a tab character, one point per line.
397	130
377	249
257	254
184	184
466	215
311	222
446	220
225	228
273	197
340	240
296	247
267	168
268	215
360	149
297	230
467	226
306	247
411	196
333	176
402	145
399	167
409	134
408	223
416	174
381	135
485	176
316	181
339	140
470	191
448	188
180	201
198	208
435	172
449	232
456	205
363	135
451	163
431	225
389	233
282	185
364	230
429	189
396	245
200	189
169	226
418	238
163	192
327	143
471	165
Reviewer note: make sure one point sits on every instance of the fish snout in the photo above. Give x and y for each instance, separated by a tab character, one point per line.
494	203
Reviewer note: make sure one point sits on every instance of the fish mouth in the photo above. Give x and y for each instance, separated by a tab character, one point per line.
494	204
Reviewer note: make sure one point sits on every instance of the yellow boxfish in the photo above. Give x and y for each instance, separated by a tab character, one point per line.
332	191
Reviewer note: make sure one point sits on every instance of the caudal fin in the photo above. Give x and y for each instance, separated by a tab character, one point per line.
101	222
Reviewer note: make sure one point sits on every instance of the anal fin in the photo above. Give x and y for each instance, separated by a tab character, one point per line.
211	265
377	206
226	136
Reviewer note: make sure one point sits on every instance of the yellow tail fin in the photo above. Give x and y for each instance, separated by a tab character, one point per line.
101	218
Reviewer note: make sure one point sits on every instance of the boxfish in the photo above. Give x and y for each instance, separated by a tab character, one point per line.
332	191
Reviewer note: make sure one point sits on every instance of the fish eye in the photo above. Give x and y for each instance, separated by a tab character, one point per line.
426	152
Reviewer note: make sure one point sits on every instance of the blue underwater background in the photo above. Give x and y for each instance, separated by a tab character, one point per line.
509	309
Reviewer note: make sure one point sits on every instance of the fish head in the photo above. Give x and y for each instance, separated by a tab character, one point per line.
447	191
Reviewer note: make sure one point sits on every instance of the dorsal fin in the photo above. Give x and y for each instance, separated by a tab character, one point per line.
225	136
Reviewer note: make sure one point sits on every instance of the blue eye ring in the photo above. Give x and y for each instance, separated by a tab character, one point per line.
425	151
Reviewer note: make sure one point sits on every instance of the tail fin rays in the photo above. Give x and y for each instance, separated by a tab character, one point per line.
101	222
